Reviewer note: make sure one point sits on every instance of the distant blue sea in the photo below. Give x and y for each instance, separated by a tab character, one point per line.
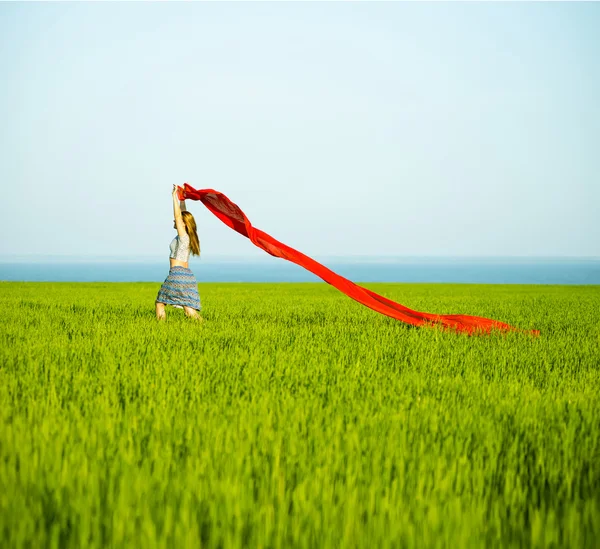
459	270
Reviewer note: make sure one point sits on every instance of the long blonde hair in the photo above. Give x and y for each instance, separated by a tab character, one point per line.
190	228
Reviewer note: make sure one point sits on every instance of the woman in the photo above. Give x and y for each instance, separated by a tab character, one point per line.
180	288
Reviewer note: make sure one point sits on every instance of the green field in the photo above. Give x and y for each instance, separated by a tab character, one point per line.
295	417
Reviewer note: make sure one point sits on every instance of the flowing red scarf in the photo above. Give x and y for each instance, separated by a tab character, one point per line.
231	214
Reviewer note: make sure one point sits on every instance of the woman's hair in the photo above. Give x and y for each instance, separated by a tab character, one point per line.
190	227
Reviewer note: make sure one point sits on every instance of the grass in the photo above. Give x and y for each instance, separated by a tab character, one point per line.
295	417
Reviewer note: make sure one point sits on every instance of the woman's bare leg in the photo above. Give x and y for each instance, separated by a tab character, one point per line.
192	313
160	311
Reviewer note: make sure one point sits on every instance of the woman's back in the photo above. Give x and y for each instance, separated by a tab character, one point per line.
180	248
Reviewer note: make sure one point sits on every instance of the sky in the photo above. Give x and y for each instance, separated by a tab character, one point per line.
342	129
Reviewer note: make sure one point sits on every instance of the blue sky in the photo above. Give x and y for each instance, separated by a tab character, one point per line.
398	129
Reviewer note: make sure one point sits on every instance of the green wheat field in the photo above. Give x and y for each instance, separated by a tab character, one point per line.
295	417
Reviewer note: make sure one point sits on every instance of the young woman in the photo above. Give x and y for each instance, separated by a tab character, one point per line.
180	288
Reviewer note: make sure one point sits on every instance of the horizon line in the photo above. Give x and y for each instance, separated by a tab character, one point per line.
47	258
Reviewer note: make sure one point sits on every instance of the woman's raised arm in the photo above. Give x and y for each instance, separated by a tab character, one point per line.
177	214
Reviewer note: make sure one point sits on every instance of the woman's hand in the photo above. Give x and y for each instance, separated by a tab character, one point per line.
175	193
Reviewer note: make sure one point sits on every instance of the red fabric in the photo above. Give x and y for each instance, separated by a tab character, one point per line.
230	214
